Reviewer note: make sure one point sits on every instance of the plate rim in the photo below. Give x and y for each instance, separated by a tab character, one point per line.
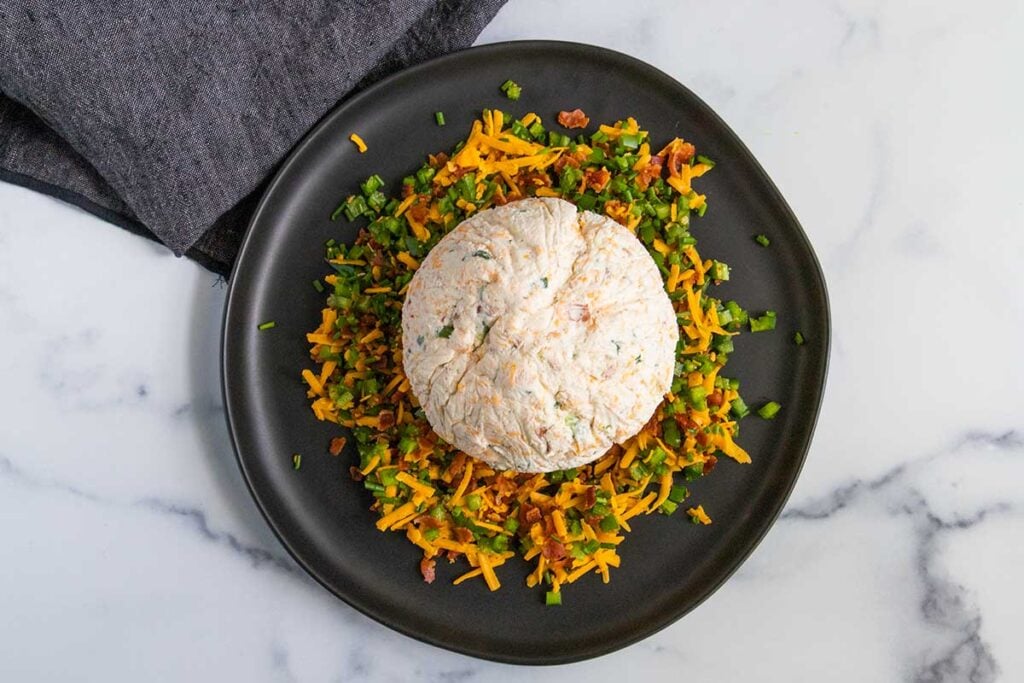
771	516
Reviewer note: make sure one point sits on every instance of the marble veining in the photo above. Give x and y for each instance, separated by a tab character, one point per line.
131	549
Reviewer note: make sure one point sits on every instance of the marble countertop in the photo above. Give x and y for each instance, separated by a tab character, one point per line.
131	549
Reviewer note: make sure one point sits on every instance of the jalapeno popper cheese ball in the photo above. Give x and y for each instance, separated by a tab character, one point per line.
536	337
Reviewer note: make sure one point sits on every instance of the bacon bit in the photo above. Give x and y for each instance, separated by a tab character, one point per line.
649	173
684	422
337	445
617	210
407	190
678	153
703	438
573	119
579	313
709	464
536	178
598	178
418	211
428	521
715	398
385	419
590	497
528	515
355	473
452	556
549	526
553	550
463	535
427	569
564	161
437	160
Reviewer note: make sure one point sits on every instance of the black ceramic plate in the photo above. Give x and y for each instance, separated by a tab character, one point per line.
668	565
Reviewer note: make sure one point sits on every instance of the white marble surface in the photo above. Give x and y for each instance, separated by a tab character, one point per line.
130	549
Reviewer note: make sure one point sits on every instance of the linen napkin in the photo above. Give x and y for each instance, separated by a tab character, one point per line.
167	117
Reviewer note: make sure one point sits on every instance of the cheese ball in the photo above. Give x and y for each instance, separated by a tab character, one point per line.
535	336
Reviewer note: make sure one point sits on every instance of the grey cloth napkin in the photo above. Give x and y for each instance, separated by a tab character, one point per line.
168	117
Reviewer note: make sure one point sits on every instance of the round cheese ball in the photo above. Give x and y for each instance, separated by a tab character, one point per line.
536	336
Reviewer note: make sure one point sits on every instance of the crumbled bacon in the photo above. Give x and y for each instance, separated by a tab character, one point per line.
649	173
684	422
709	464
418	211
428	521
715	398
573	119
597	178
385	419
564	161
537	178
408	190
337	445
679	153
355	473
437	160
463	535
589	497
553	550
528	515
427	569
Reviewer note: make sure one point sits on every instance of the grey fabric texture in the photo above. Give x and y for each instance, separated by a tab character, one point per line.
168	117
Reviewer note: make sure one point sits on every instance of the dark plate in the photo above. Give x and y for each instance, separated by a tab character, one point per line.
668	565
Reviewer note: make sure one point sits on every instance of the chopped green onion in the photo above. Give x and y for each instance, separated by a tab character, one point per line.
445	332
473	501
318	286
769	410
799	339
739	408
439	117
296	461
677	494
762	240
670	430
719	271
431	534
692	472
630	141
609	523
425	175
701	159
553	598
764	323
372	184
668	507
697	396
269	325
511	89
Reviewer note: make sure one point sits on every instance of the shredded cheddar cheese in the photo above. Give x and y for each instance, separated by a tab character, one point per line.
358	142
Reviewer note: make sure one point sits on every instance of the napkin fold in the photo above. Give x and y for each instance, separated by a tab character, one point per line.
167	118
